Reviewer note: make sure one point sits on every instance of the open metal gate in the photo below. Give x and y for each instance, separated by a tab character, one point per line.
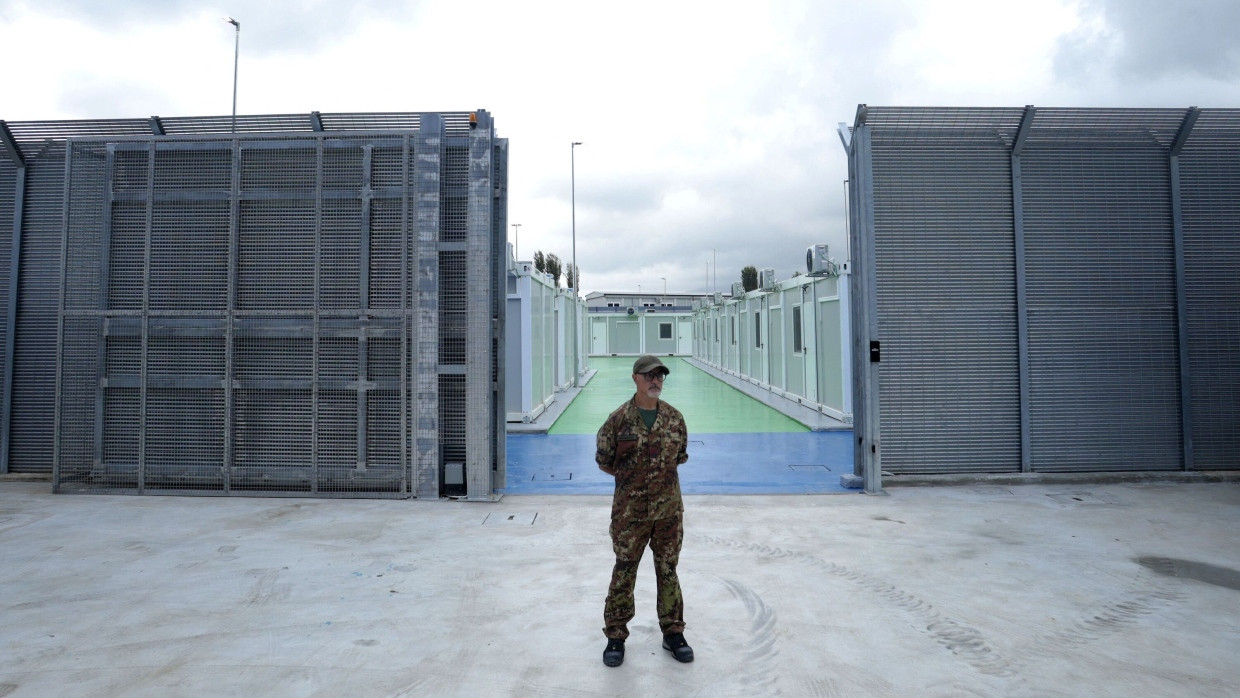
309	314
1046	290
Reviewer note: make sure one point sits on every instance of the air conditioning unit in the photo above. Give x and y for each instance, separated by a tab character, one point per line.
738	289
816	260
718	298
819	263
767	278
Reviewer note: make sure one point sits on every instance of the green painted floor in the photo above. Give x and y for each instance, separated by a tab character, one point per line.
710	406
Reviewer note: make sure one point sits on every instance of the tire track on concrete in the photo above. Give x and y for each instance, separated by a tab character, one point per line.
965	642
762	649
1149	596
11	521
1146	595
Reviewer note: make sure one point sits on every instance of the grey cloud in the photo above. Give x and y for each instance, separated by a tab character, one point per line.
301	26
113	100
764	224
636	194
764	215
1149	39
109	14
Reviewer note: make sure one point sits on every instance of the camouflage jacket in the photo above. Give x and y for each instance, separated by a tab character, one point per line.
643	461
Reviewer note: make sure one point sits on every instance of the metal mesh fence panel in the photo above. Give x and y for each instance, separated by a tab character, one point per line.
12	185
454	197
453	433
946	334
276	271
388	258
80	448
184	440
1102	337
453	307
189	256
1209	170
340	254
271	445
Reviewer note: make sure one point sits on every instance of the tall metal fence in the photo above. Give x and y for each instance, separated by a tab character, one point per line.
314	310
1046	290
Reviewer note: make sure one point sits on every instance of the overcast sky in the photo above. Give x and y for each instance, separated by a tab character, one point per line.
709	127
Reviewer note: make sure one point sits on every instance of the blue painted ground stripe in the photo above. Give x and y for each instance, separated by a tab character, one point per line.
766	463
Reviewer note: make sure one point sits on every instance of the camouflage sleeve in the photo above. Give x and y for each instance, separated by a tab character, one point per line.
683	432
605	446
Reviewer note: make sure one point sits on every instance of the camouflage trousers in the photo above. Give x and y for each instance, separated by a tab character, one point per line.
629	540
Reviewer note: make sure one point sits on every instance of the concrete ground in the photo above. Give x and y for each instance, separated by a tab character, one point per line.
1016	590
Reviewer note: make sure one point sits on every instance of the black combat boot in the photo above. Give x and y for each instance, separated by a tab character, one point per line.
614	654
675	643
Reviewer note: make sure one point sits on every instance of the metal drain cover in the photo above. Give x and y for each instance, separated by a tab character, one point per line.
821	469
520	519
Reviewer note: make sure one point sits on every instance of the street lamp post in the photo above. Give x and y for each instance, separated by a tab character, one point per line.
576	273
516	241
236	60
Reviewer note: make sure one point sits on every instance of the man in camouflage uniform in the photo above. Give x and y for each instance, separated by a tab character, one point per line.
641	444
